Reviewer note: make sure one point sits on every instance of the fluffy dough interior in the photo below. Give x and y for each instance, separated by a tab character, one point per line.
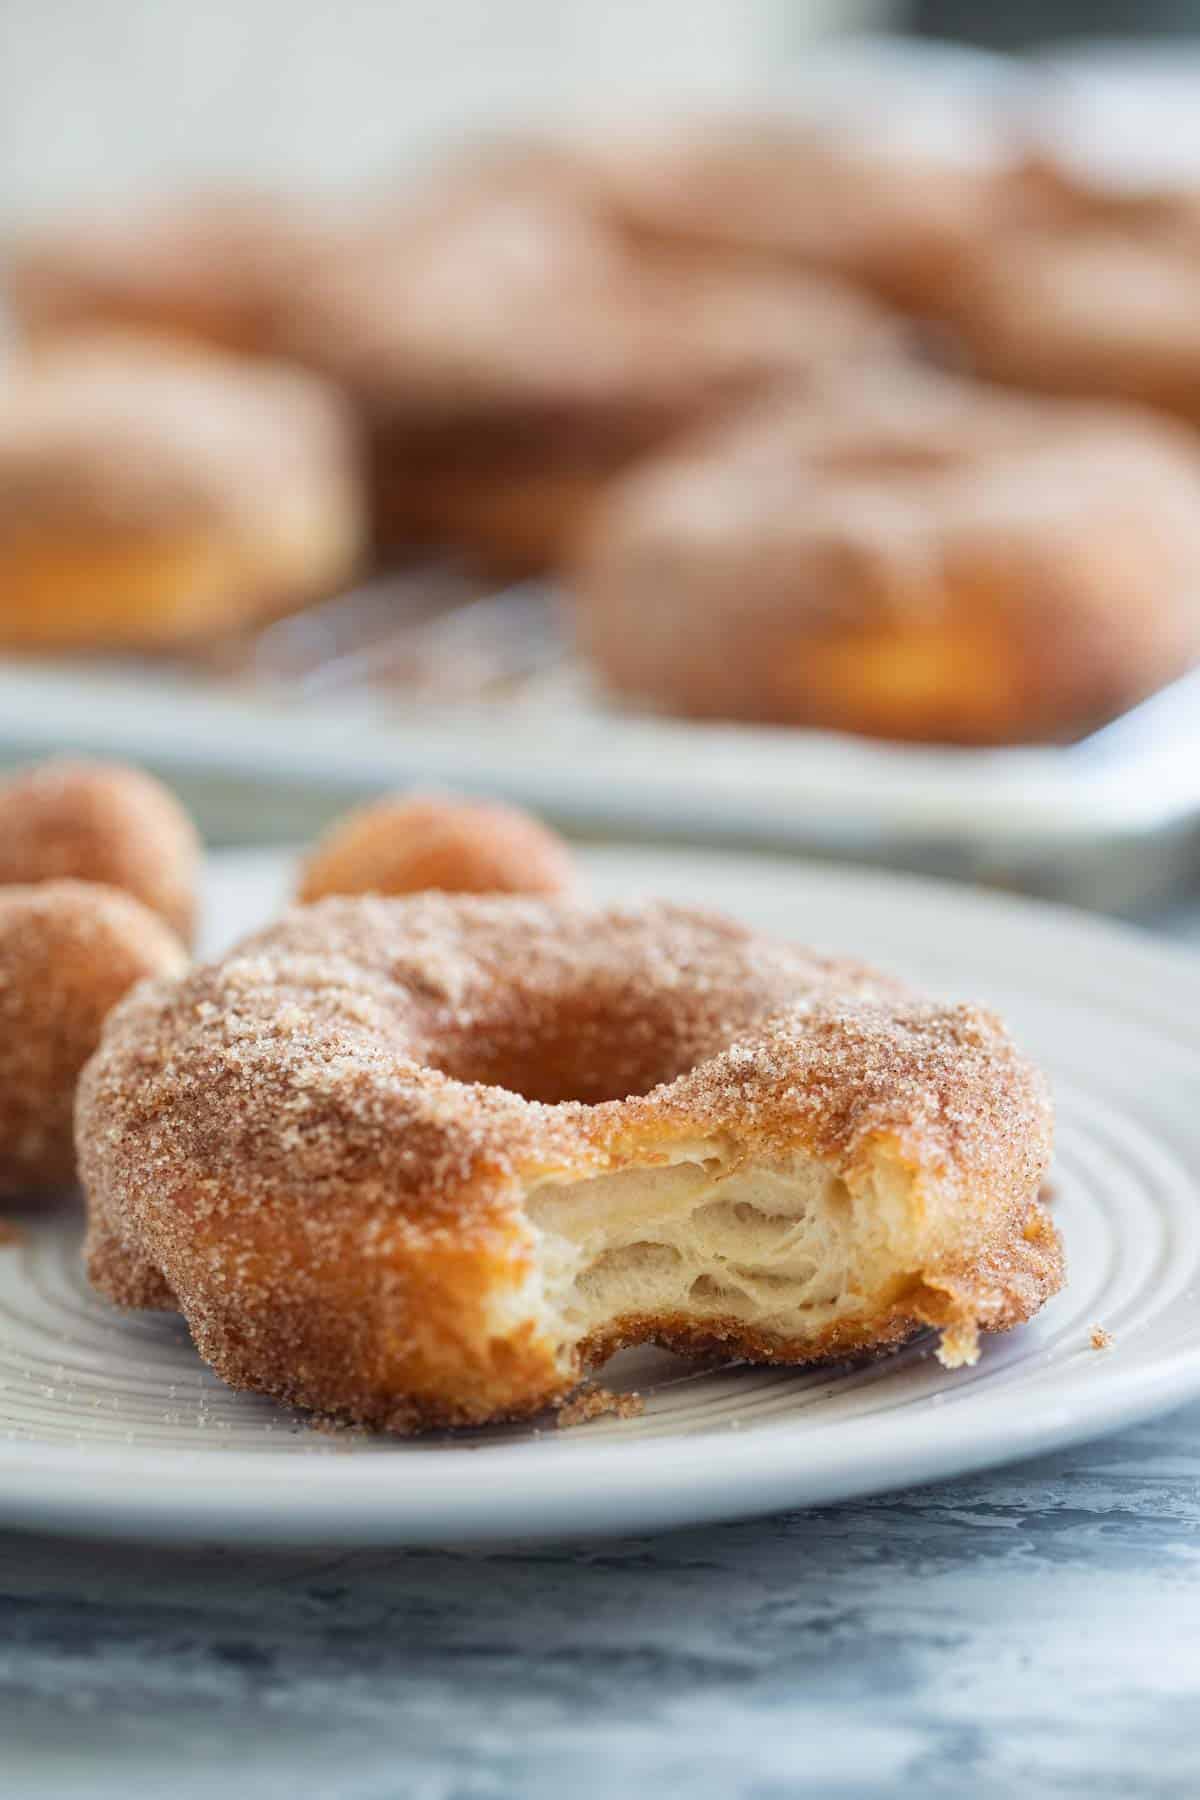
783	1250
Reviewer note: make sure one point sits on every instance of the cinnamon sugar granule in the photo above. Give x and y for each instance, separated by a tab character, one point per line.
1101	1339
595	1403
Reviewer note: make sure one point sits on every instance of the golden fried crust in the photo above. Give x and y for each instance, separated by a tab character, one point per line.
899	223
905	556
68	952
1078	288
522	319
320	1146
105	822
414	842
1048	315
205	267
150	494
510	351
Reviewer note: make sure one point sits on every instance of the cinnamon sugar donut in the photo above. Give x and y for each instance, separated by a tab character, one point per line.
69	950
105	822
150	495
893	218
207	267
910	558
1077	289
509	350
410	843
423	1162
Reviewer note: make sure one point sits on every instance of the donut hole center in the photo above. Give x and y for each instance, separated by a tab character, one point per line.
583	1053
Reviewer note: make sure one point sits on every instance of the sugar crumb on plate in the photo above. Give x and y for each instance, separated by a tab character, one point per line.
596	1403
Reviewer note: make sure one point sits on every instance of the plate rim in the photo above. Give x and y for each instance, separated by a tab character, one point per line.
341	1493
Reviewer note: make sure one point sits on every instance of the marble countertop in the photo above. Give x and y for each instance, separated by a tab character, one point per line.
1035	1630
1031	1631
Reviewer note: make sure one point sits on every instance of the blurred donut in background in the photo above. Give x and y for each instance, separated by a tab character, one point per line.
409	843
1083	289
209	267
509	352
896	219
152	495
915	559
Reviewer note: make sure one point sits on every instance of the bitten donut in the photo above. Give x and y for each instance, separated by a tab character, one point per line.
909	557
150	495
413	842
423	1162
206	267
105	822
69	950
507	350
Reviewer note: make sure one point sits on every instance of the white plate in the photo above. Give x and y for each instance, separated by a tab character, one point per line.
110	1425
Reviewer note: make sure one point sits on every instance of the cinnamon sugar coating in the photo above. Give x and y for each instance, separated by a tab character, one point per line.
208	267
321	1148
1082	288
896	220
69	950
105	822
413	842
151	493
138	432
904	555
530	331
507	347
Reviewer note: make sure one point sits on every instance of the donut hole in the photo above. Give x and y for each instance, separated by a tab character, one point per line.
569	1052
710	1243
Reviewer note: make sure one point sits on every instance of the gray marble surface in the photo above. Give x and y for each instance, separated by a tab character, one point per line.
1033	1631
1028	1632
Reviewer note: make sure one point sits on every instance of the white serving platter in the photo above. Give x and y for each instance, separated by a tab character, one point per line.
110	1425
